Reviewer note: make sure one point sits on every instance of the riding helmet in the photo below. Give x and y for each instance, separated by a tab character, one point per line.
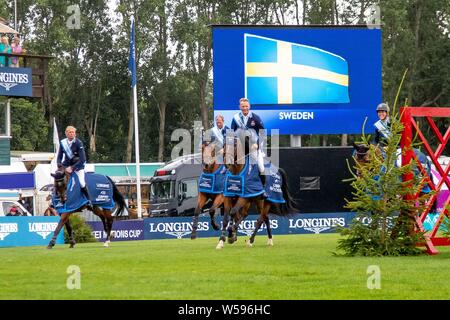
383	107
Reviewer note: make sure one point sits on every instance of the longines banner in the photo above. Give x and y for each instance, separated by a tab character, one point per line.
178	228
122	230
299	80
28	231
16	82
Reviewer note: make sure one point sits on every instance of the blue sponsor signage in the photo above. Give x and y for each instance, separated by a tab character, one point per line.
28	231
299	80
16	82
20	180
178	228
122	230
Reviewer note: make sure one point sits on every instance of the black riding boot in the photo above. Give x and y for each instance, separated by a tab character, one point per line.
86	193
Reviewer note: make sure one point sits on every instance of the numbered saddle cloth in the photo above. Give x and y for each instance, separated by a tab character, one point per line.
213	182
246	184
274	181
99	187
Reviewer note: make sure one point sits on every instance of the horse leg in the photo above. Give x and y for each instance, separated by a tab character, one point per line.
61	223
269	229
235	217
99	213
259	222
108	223
218	201
263	213
71	235
226	217
239	213
200	204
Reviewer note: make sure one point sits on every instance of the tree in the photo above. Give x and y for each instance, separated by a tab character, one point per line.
28	126
379	199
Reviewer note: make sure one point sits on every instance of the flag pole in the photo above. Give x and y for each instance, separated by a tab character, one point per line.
136	142
135	111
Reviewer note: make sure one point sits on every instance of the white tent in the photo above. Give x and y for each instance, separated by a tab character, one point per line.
13	167
42	175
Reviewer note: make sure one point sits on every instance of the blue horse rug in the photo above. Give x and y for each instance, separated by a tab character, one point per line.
246	184
214	182
99	187
274	181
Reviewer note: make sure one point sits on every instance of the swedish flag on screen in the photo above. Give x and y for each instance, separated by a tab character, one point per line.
280	72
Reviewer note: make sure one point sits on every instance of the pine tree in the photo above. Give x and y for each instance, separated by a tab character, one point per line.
385	221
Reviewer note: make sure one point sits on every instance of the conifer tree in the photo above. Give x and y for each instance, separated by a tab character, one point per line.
384	224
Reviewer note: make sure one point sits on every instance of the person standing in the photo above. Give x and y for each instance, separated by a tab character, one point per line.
16	49
72	157
4	48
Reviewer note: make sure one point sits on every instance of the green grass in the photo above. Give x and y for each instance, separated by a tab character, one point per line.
296	267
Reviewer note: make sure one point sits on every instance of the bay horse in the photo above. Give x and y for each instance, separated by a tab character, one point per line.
63	181
237	158
209	188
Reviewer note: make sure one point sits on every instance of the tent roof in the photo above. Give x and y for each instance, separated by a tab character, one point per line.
126	170
5	29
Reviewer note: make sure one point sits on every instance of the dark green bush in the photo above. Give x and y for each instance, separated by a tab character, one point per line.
82	231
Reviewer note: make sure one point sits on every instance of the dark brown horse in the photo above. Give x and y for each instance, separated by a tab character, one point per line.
236	155
61	180
210	166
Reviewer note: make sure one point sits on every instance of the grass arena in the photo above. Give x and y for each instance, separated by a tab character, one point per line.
296	267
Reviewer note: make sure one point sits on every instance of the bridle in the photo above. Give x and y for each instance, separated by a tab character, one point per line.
60	185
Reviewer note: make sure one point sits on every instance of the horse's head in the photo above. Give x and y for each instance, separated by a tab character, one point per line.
209	160
236	149
60	184
361	152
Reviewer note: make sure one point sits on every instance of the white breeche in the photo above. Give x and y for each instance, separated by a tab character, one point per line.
80	174
261	161
257	156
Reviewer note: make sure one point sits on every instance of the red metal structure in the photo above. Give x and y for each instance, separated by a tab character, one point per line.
408	115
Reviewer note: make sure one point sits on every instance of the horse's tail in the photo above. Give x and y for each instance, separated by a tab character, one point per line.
290	207
118	198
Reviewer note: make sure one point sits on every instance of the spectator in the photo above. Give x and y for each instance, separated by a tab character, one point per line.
50	211
16	49
4	48
25	204
13	211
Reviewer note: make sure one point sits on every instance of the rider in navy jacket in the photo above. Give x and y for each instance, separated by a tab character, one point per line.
78	160
219	131
72	157
245	119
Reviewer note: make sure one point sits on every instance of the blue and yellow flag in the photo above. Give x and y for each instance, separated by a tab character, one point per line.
280	72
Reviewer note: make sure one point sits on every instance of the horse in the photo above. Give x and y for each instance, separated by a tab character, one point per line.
362	157
102	208
210	185
237	206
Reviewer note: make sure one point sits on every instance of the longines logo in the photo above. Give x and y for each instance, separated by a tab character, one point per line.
42	229
9	80
316	225
177	229
7	228
179	234
247	227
